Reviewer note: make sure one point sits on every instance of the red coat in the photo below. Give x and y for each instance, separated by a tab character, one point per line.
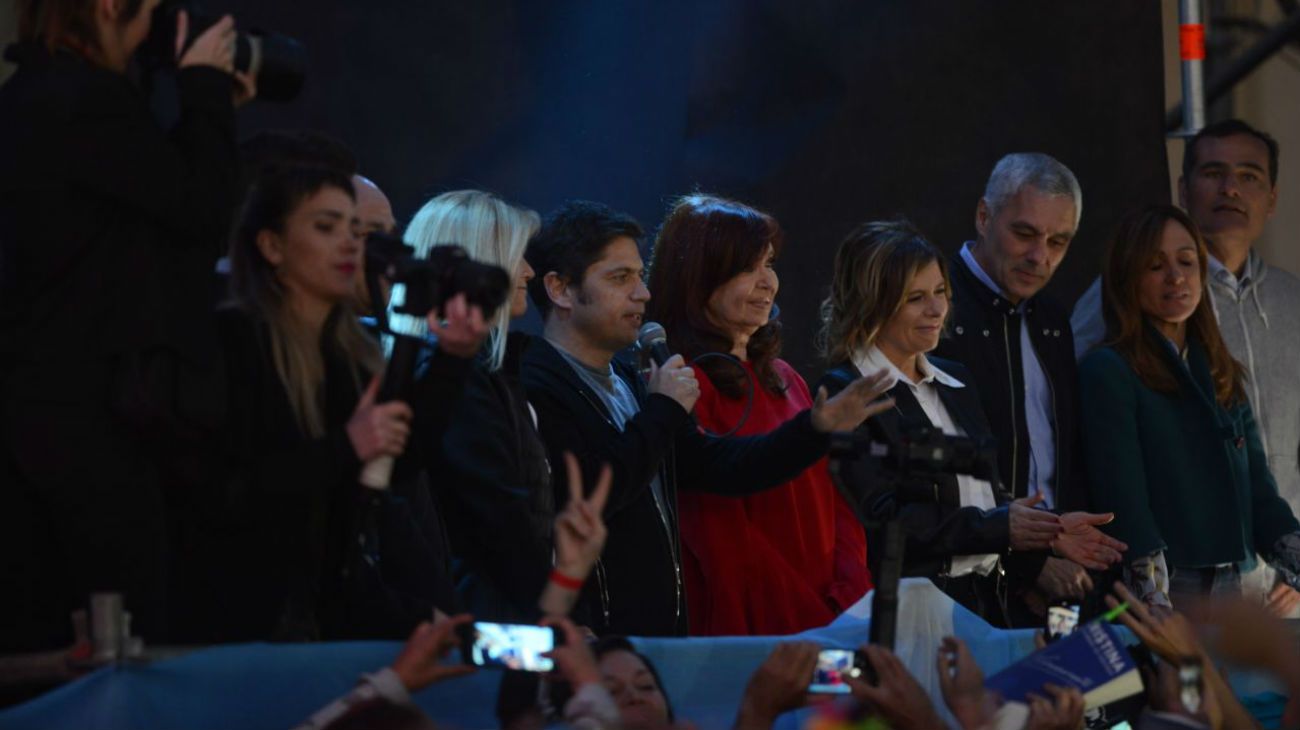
777	562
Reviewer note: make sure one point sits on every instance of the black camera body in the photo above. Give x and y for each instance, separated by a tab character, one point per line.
276	61
431	281
923	452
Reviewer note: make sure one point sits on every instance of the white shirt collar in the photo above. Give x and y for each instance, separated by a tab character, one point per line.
872	359
968	256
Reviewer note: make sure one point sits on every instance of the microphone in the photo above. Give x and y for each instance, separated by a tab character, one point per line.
653	338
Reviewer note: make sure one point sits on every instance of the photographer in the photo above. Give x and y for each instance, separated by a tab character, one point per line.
109	229
302	423
887	309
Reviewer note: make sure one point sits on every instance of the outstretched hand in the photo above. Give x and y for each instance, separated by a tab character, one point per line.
850	407
1082	542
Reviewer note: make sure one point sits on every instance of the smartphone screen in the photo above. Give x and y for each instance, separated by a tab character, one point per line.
511	646
1062	621
833	665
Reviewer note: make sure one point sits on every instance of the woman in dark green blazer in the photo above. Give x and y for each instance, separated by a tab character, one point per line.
1170	441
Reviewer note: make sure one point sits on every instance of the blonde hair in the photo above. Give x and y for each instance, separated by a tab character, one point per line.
255	288
873	267
490	230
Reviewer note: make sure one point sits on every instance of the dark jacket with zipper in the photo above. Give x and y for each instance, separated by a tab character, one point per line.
637	587
935	525
494	488
984	335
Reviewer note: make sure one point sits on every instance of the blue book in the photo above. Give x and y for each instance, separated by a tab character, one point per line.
1092	660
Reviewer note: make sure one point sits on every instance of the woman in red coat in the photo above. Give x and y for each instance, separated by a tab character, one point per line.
786	559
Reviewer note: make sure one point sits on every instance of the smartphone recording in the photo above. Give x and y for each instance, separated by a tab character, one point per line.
509	646
833	666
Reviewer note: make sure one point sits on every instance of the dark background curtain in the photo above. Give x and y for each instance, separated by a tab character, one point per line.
825	114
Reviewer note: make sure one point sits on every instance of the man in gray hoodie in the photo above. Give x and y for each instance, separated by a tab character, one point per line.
1229	187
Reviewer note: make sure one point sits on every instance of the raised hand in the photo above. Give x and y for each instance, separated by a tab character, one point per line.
1082	542
853	405
574	659
580	528
962	683
780	684
420	663
898	697
1169	634
1031	528
378	429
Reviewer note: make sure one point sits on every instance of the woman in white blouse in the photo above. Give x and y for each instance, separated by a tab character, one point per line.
888	304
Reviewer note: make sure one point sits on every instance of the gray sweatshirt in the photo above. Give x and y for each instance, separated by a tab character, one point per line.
1259	316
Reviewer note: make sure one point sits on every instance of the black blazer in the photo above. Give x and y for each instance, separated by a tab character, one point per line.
638	588
935	525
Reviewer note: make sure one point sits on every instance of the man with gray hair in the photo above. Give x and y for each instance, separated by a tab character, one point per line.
1019	347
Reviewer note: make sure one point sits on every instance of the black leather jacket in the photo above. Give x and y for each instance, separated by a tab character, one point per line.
984	335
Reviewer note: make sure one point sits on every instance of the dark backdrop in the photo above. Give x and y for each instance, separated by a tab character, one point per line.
826	114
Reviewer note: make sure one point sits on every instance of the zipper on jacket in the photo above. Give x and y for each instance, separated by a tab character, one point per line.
1015	424
663	519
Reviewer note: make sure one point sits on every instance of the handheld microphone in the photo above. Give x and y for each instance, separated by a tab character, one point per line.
653	338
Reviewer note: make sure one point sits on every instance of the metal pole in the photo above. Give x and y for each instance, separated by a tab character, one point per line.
1191	48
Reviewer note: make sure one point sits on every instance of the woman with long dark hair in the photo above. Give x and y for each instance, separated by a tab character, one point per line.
792	557
302	380
1170	441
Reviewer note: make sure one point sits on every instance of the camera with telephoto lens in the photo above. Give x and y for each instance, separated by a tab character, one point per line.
277	62
431	281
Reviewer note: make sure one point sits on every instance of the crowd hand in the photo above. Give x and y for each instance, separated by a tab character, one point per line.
1061	579
962	684
1283	599
1169	634
460	328
675	380
1064	711
1164	694
420	663
1082	542
780	684
898	697
574	660
1031	528
1250	635
858	401
378	429
580	528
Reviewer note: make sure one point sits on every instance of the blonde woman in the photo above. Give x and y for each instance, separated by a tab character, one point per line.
493	481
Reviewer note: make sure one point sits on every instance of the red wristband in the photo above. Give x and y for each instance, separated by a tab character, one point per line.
564	581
